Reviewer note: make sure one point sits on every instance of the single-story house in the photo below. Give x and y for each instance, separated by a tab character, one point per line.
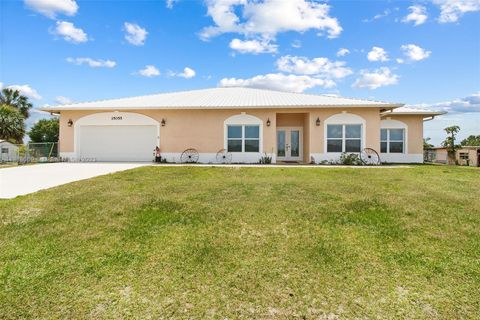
464	156
8	151
247	122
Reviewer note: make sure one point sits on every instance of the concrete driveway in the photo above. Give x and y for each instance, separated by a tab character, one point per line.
15	181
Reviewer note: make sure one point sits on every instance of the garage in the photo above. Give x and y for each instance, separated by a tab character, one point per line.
116	137
118	143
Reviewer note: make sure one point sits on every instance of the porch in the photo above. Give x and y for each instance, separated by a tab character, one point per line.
292	138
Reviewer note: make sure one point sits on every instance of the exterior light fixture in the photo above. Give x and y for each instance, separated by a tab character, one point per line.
317	122
70	122
163	122
268	122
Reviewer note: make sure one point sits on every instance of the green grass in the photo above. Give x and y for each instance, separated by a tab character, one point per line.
193	242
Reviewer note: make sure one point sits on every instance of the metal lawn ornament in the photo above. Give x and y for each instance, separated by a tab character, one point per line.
370	157
189	156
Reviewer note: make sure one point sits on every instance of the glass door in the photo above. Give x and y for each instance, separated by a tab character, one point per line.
281	144
289	144
294	143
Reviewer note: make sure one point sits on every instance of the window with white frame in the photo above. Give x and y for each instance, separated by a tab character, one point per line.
243	138
392	140
344	137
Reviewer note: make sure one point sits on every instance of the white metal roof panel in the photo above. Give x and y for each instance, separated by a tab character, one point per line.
414	111
223	98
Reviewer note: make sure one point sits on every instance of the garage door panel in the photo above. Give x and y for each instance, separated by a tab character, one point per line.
118	143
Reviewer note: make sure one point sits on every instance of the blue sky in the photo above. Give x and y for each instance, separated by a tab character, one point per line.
422	53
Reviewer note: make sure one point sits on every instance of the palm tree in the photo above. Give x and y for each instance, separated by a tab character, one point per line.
16	100
12	127
449	142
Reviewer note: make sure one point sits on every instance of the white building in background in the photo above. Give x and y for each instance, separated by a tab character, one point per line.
8	151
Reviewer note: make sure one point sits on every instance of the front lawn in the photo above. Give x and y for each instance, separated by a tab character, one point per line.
194	242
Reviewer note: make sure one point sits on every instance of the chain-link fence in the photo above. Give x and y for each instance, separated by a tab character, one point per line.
28	153
429	155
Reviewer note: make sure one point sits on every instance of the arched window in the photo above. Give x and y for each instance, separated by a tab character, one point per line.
344	132
243	133
393	135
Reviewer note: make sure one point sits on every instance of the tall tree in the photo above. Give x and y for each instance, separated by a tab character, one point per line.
449	141
45	131
16	100
471	140
12	126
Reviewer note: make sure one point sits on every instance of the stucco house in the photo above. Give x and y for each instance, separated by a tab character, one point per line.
247	122
464	156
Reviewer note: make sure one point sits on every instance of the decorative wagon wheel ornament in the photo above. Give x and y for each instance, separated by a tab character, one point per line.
223	156
189	156
370	157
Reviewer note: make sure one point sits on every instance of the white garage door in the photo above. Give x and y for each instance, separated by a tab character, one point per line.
118	143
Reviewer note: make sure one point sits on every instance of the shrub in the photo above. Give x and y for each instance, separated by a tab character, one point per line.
350	159
265	159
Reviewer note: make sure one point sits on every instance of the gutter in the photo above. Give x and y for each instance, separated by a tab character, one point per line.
59	109
428	119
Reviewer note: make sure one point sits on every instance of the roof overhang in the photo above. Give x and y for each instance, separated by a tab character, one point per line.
58	109
426	114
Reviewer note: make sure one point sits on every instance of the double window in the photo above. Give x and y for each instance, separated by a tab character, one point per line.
243	138
344	137
392	140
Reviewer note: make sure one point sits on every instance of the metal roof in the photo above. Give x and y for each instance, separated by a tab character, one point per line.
459	148
223	98
413	111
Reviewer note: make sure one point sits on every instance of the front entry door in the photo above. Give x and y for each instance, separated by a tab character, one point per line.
289	144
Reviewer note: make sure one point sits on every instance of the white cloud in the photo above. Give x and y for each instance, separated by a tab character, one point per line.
377	54
320	67
452	10
375	79
169	3
470	103
63	100
279	81
342	52
26	90
253	46
378	16
414	52
135	34
296	44
149	71
51	8
34	116
70	33
268	18
400	60
417	15
92	62
187	73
